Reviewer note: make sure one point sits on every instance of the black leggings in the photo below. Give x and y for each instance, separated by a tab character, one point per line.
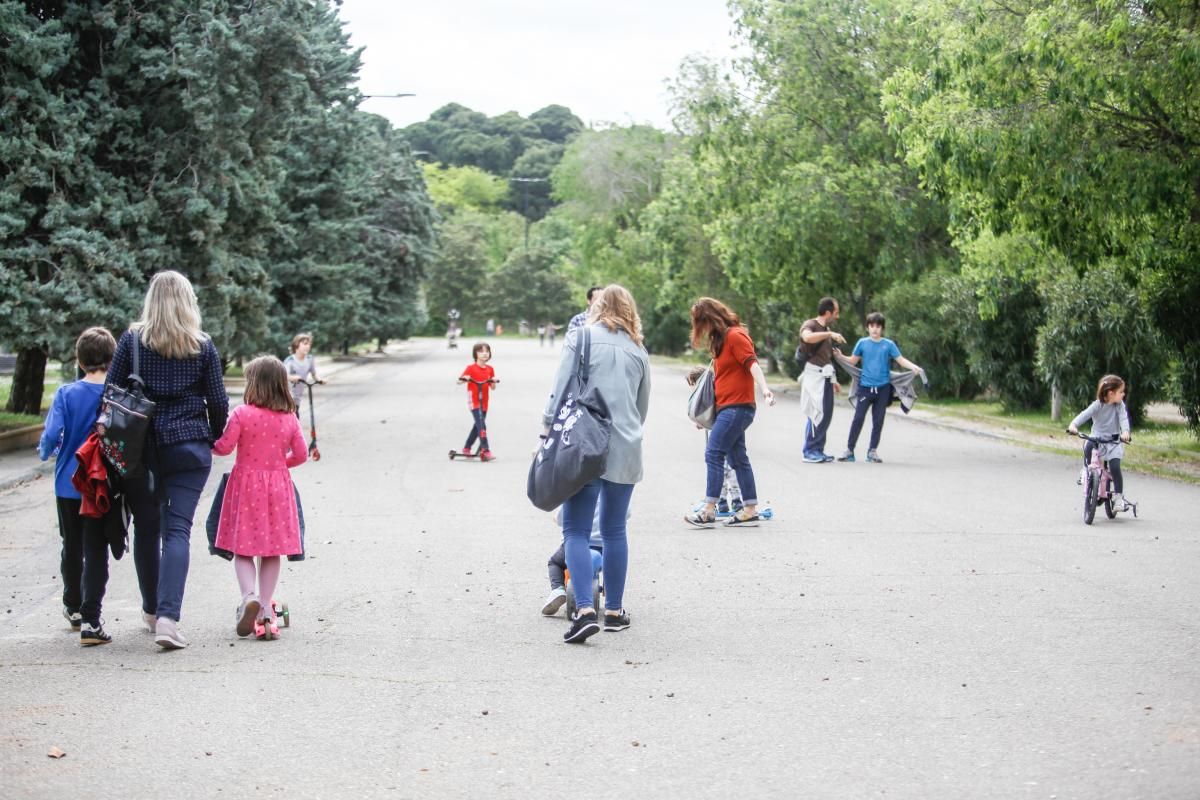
1114	467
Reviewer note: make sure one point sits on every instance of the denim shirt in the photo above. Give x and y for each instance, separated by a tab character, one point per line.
620	371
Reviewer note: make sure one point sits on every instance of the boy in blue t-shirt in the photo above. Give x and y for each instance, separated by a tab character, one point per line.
875	354
84	560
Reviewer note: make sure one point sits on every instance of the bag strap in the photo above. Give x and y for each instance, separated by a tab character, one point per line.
135	374
585	355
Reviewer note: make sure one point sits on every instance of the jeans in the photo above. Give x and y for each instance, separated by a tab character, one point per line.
814	438
479	430
163	517
577	514
727	440
876	398
84	561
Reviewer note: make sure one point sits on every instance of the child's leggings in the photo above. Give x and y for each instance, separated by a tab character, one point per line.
1114	467
478	430
268	578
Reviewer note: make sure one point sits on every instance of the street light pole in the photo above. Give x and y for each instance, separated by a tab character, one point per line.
525	201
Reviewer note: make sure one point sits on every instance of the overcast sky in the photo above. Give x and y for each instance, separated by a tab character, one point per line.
607	60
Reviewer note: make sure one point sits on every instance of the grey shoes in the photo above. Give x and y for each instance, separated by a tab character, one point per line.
167	635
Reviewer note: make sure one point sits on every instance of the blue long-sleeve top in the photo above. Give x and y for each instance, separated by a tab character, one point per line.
189	393
70	420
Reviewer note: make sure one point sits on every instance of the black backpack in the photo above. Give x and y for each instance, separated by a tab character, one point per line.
802	354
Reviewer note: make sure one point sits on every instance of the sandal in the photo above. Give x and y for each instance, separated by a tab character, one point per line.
699	519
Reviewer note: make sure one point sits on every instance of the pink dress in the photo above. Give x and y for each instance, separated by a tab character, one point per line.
258	516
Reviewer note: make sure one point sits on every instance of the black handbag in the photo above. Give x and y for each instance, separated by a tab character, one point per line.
575	452
123	423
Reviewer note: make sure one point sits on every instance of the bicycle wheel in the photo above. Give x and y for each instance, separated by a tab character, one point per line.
1110	508
1090	491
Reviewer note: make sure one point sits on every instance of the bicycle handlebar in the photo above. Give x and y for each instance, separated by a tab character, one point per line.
479	383
1099	440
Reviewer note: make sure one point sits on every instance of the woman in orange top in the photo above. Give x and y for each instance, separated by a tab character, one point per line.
736	372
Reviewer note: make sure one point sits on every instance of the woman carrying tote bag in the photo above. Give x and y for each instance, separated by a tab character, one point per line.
181	370
619	369
736	375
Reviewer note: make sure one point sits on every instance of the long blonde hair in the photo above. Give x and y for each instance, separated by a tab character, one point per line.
615	308
170	323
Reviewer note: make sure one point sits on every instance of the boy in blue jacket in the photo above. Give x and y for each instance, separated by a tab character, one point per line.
84	561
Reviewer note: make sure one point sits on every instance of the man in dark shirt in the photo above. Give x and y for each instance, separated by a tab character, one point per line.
818	381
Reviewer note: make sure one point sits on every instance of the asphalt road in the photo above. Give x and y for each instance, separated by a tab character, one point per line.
942	625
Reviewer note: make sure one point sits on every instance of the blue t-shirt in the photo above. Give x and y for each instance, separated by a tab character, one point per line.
876	361
69	422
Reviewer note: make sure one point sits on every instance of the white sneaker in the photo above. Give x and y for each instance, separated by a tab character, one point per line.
247	613
1121	504
554	602
150	621
167	635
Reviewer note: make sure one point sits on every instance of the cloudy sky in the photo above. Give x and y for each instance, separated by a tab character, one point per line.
607	60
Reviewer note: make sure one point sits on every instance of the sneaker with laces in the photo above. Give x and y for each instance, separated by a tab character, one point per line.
167	635
699	519
582	626
847	456
73	618
873	457
486	455
554	602
616	621
91	635
814	458
247	612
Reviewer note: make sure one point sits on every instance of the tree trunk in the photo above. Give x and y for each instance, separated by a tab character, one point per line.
1055	403
380	344
29	382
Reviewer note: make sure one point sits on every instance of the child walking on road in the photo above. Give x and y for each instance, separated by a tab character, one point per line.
875	353
84	560
1109	419
479	378
259	516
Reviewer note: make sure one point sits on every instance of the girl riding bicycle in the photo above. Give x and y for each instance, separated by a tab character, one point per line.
1110	419
479	377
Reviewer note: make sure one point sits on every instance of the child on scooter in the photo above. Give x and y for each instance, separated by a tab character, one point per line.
301	367
1109	418
259	516
479	378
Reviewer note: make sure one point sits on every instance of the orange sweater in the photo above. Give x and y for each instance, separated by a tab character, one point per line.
734	383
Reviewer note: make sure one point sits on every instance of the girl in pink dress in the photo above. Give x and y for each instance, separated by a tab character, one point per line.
258	516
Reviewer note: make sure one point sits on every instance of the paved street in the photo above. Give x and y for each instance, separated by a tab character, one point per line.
942	625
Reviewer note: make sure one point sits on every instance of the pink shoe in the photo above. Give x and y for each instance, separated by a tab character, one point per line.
466	451
486	455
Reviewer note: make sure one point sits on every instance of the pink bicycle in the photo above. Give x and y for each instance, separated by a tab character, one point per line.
1097	482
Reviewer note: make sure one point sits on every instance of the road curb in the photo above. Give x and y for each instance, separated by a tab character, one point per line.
31	474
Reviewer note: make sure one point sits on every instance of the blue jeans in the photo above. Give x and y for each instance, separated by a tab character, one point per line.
727	440
479	430
577	514
814	438
163	509
875	398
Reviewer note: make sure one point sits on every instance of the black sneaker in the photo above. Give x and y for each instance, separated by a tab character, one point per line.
616	622
90	634
73	618
582	627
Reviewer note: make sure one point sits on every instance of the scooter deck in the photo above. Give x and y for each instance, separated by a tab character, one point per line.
460	454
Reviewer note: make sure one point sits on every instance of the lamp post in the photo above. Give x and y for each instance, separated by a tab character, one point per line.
525	201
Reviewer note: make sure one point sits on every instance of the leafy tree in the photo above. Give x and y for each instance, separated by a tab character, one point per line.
454	188
1078	123
529	287
556	123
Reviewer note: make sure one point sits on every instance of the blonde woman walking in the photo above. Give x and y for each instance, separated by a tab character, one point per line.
182	373
620	369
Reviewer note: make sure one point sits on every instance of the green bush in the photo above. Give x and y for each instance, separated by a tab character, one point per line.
924	318
1094	325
